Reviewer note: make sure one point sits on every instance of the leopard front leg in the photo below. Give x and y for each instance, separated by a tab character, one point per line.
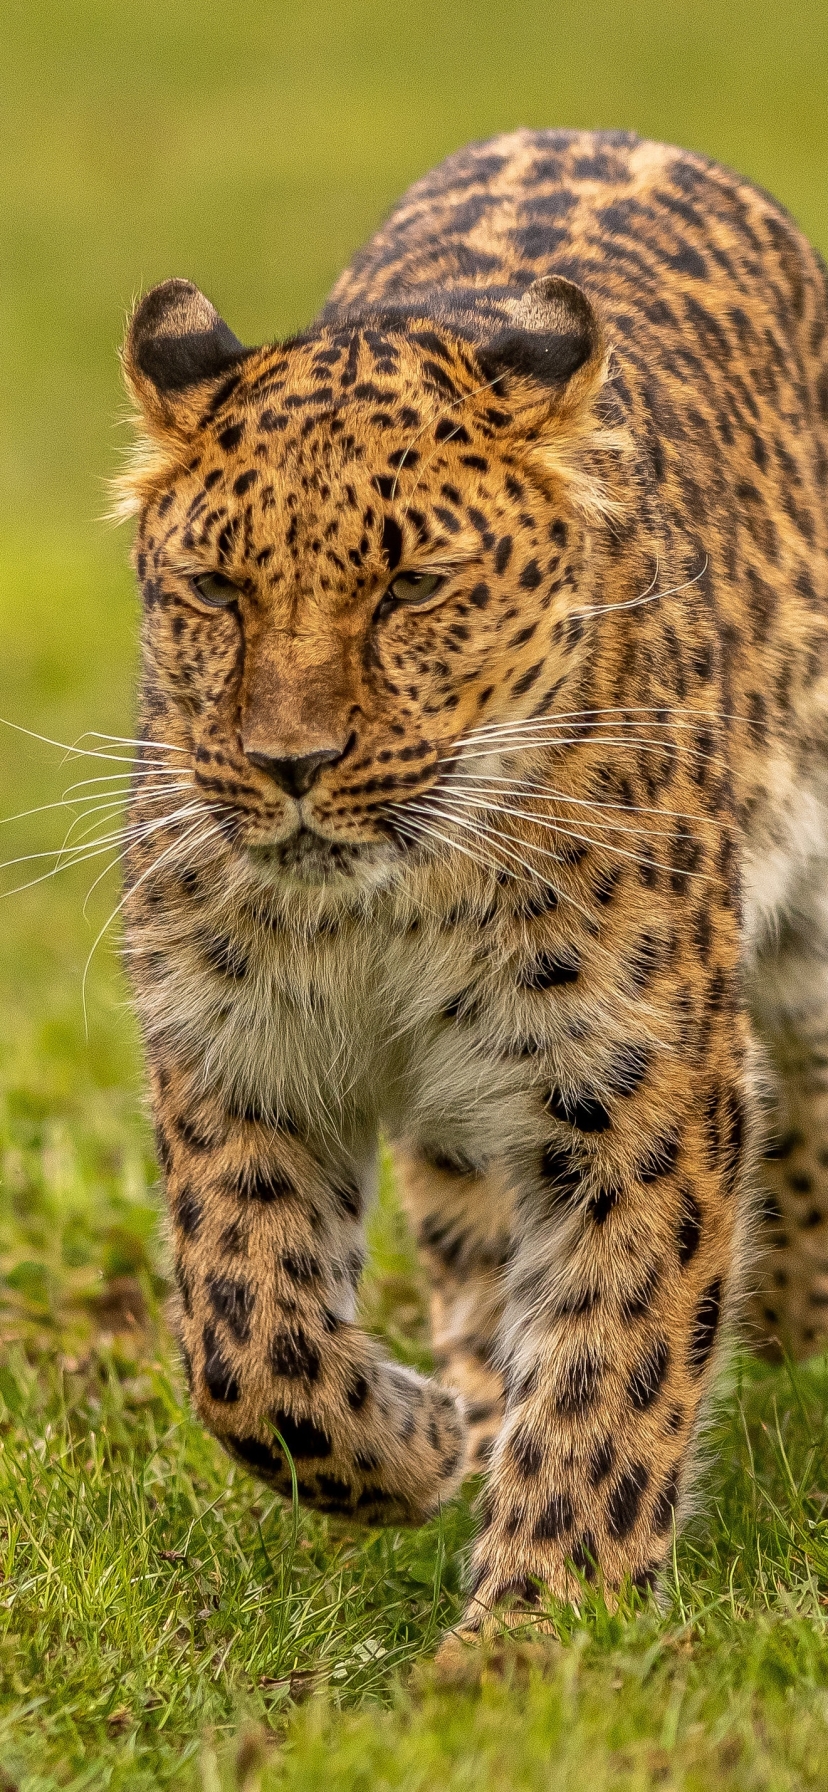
267	1234
626	1260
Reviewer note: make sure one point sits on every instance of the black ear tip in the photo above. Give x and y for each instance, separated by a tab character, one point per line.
553	331
551	357
177	339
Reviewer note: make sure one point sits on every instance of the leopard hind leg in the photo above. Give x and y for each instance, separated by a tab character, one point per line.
789	1309
462	1221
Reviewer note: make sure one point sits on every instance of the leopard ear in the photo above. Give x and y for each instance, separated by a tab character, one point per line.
175	342
553	334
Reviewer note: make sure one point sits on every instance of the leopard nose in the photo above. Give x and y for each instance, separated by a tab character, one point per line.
296	775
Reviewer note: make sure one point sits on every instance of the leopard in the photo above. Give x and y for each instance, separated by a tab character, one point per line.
480	814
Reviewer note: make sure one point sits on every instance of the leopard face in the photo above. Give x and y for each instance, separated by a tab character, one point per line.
354	550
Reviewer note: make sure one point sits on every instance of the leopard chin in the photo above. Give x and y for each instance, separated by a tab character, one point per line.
311	860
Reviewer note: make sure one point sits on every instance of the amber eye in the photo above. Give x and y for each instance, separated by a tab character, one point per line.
414	587
217	591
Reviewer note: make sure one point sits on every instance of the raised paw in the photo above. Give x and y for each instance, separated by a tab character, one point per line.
392	1460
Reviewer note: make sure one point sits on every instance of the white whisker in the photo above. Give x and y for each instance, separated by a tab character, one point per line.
138	774
133	830
477	828
136	836
211	832
67	857
547	743
80	752
666	711
647	597
432	833
44	808
126	740
90	852
559	824
587	729
549	794
118	802
569	833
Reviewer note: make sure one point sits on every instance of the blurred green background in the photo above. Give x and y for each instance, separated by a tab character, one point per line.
250	147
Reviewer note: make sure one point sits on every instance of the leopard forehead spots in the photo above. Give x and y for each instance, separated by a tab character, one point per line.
485	640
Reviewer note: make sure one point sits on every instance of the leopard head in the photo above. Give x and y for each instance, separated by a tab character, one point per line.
355	549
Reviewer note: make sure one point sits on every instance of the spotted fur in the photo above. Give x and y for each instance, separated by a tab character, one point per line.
484	649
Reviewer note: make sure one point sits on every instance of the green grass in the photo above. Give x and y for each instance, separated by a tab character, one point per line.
163	1622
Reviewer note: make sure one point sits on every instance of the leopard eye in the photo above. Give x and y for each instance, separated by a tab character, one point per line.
216	590
415	587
